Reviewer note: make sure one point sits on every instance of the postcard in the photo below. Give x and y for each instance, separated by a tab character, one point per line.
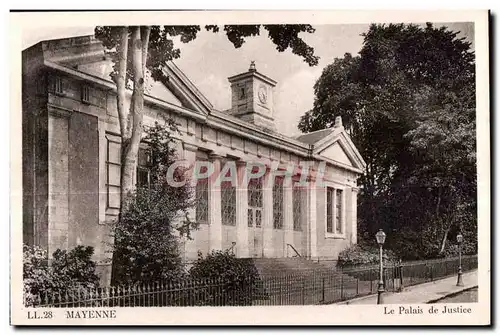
250	167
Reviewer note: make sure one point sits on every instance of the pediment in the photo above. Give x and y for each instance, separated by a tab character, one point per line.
160	91
338	147
337	153
181	87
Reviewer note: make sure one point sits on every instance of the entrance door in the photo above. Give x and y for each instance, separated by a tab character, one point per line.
255	217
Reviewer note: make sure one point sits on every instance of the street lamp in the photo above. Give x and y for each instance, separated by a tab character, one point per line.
460	239
380	236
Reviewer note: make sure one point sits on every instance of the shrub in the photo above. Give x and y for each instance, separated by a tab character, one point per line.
145	246
67	272
237	279
468	248
146	237
357	255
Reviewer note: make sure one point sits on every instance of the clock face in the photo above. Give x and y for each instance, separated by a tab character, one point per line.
262	94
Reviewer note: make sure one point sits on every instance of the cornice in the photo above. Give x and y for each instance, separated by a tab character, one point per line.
190	146
59	111
337	164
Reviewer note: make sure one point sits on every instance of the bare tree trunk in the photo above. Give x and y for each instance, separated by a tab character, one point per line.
444	240
121	79
131	121
145	32
438	207
131	145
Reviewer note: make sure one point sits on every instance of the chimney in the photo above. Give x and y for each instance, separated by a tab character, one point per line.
338	122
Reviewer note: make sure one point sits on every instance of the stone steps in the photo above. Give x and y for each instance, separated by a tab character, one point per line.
303	281
276	267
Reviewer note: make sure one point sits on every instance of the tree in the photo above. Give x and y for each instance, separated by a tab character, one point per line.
145	247
408	102
141	51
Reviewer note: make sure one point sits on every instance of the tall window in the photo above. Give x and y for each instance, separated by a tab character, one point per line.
338	212
255	202
228	202
202	195
202	201
297	208
278	203
113	170
143	168
334	211
329	210
57	85
85	93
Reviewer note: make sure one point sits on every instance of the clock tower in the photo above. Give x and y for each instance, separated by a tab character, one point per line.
252	98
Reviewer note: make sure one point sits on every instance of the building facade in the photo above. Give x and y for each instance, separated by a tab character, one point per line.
71	161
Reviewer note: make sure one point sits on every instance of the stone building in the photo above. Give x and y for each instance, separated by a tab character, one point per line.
71	162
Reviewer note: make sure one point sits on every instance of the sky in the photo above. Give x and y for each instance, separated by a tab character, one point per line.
210	59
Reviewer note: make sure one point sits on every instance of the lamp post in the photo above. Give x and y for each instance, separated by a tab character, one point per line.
380	236
460	239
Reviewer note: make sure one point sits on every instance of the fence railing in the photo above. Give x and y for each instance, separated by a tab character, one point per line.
304	288
400	275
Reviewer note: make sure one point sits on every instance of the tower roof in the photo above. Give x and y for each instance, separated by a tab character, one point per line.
252	72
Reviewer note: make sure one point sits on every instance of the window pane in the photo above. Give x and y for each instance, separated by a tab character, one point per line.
113	197
113	175
258	217
114	152
228	199
329	208
338	212
250	217
278	204
142	177
297	208
143	157
255	193
202	202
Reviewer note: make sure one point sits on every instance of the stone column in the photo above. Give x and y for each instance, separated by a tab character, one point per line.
58	175
288	217
188	247
214	206
267	215
311	212
354	215
242	248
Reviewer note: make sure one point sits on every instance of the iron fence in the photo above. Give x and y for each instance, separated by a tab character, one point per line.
304	288
399	275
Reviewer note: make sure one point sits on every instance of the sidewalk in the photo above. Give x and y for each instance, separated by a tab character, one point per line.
422	293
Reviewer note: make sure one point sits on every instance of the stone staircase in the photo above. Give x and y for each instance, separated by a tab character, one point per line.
278	267
301	281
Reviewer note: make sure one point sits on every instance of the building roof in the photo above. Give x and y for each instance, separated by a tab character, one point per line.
315	136
64	54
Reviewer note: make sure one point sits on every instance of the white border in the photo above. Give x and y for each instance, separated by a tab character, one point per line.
313	315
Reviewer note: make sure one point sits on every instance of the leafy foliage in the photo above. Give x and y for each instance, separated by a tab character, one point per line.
68	272
162	49
357	255
146	237
238	276
408	102
139	52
